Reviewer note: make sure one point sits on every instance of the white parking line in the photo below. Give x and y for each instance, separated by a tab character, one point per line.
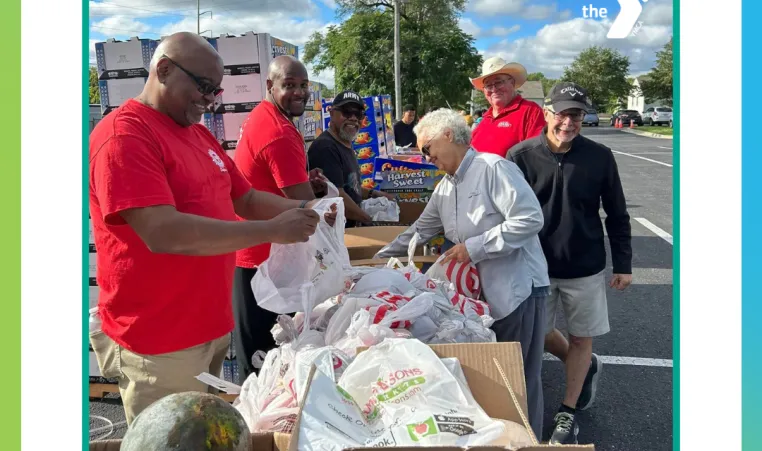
668	148
650	226
615	360
643	158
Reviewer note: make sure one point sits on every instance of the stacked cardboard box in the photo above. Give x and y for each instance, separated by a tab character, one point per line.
122	69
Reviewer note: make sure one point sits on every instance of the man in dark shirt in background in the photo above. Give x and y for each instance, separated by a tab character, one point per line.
332	153
403	129
571	176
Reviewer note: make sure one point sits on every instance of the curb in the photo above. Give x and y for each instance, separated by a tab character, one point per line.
649	134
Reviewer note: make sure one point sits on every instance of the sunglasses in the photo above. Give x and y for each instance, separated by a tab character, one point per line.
425	150
349	112
203	86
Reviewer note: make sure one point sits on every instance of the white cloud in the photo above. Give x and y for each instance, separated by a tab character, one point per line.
92	50
470	27
176	9
120	25
329	3
657	13
504	31
518	8
557	45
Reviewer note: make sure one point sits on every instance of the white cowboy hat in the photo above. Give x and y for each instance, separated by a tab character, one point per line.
497	65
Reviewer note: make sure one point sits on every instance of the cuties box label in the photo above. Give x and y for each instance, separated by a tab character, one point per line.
404	176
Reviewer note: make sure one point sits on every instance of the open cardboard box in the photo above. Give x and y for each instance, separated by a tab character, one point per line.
364	242
495	374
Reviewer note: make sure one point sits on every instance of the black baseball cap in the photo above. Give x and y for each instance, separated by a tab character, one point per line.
408	107
347	98
566	95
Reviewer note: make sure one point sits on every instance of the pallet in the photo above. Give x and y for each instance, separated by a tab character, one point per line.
100	390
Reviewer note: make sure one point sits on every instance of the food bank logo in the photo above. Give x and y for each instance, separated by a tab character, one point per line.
624	23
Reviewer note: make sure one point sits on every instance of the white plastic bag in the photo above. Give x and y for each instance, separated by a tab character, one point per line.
321	263
397	393
463	276
381	209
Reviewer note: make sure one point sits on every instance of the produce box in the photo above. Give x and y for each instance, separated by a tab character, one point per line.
495	375
411	182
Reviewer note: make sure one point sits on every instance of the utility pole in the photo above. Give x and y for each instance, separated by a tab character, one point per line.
397	83
200	13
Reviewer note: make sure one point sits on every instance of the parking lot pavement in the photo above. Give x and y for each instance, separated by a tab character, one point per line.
633	409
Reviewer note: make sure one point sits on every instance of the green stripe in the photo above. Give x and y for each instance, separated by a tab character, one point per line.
10	228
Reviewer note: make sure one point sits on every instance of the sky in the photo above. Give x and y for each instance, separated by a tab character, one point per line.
543	35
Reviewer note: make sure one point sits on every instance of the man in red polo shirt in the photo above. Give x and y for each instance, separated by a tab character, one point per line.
510	118
271	156
163	199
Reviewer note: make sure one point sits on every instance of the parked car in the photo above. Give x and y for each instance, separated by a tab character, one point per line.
591	117
658	115
626	116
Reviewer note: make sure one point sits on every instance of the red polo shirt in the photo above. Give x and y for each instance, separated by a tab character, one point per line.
157	303
520	120
271	156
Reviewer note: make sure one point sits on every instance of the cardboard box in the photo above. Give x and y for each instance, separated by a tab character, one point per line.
495	374
117	91
242	94
228	128
265	441
124	59
364	242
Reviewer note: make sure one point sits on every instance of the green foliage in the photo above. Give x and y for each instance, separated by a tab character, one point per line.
658	85
95	94
603	73
436	56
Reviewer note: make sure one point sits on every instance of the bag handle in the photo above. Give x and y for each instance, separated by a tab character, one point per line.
411	248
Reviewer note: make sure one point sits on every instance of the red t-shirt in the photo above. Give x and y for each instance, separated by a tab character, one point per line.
271	156
518	121
157	303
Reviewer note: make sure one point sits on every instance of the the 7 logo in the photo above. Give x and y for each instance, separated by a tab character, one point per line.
625	21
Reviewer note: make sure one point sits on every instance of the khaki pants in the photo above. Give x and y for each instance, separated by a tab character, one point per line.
144	379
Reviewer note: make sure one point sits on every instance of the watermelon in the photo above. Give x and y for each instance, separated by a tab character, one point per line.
189	421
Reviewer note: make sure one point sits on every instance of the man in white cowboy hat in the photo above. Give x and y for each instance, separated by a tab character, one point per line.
511	118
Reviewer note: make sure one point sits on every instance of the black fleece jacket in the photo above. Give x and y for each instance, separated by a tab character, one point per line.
571	187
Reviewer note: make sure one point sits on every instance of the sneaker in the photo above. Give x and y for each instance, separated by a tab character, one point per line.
565	430
590	386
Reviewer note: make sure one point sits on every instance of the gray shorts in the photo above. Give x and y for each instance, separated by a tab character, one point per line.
584	302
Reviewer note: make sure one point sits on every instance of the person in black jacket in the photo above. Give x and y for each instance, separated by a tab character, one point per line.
572	176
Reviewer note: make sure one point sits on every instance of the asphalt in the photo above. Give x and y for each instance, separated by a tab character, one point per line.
633	407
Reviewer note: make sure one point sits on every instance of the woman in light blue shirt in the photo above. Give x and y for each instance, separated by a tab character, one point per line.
490	213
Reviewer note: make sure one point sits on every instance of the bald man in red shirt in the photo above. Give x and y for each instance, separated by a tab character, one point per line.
511	118
165	201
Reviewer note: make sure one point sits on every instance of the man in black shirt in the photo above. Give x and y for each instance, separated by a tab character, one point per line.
403	130
332	153
572	176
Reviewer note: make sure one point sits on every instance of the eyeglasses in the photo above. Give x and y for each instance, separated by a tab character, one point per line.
497	84
575	115
348	113
425	150
204	87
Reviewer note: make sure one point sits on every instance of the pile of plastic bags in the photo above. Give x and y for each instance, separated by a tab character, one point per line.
339	308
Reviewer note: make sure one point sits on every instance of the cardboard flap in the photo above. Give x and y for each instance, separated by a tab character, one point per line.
262	441
484	378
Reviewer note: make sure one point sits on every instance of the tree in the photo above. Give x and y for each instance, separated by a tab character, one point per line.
658	84
603	73
436	56
95	93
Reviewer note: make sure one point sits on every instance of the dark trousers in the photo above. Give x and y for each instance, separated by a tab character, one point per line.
526	326
252	323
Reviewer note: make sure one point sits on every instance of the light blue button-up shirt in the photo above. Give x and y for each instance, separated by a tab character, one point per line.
489	206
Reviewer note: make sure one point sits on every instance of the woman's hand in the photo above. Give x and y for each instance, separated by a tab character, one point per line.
459	253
